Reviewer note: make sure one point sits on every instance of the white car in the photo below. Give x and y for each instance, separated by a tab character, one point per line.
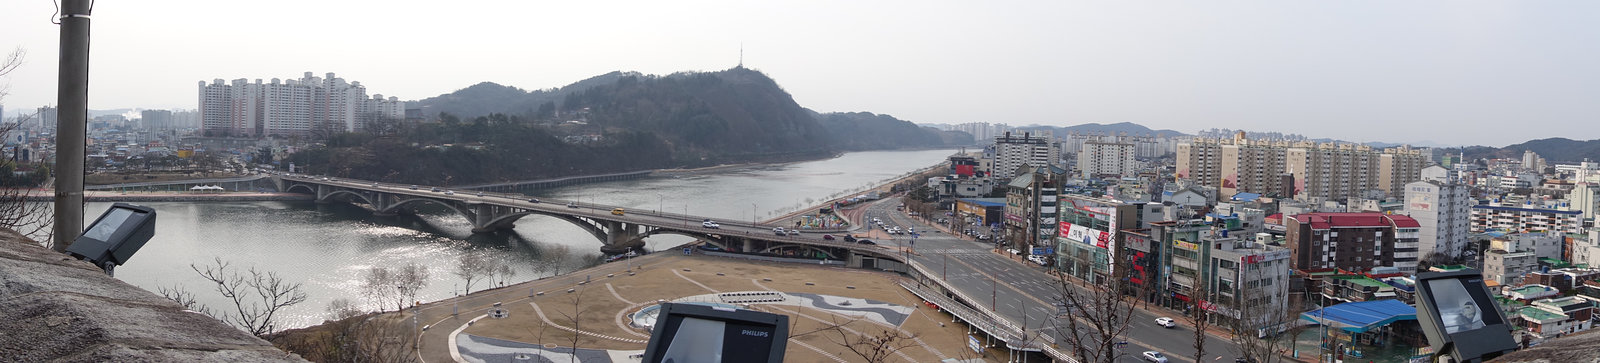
1154	356
1166	322
710	224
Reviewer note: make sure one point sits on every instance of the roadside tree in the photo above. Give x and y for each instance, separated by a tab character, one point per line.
1099	315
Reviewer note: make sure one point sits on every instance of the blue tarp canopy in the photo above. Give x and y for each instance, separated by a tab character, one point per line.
1246	197
1359	317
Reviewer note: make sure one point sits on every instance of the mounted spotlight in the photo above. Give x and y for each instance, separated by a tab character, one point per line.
115	236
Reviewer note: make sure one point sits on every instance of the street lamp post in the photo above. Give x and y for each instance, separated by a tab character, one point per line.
660	203
752	214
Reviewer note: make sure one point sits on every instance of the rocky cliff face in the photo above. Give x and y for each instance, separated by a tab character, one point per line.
55	308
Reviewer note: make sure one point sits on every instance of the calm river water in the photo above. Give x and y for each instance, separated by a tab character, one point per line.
326	247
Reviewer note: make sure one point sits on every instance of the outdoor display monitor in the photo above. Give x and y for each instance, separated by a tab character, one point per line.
114	237
686	333
1460	317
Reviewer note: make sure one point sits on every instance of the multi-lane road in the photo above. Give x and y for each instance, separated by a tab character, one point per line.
1023	292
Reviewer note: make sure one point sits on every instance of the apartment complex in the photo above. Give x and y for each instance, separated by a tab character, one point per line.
1352	241
1444	213
291	108
1099	159
1524	217
1320	170
1014	151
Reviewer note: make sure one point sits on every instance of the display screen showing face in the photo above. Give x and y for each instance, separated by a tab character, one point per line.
1461	309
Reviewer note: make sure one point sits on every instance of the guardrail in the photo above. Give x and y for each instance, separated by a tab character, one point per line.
1015	337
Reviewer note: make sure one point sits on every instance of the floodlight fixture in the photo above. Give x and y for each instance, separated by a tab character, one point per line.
1460	317
115	236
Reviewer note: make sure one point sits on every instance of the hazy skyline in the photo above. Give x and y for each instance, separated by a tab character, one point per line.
1457	72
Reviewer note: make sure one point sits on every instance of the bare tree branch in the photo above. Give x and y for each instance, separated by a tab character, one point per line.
1100	316
257	296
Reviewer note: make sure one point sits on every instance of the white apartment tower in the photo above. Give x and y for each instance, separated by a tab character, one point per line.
1014	151
1444	212
302	107
1098	158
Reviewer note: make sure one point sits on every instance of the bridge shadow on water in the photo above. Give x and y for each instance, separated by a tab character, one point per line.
547	243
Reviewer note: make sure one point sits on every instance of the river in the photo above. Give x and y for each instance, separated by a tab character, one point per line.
326	247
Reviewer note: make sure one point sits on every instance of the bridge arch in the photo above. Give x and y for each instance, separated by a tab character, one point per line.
419	200
348	192
593	229
307	188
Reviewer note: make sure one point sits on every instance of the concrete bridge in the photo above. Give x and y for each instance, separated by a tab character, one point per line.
490	212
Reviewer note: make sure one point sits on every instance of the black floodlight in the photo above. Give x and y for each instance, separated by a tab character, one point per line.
1460	317
685	333
115	236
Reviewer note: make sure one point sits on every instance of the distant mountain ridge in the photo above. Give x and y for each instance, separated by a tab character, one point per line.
1555	149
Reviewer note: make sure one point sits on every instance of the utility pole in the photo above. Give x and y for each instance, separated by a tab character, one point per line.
72	95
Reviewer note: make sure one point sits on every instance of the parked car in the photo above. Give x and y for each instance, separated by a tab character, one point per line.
827	237
1154	356
616	211
709	224
1166	322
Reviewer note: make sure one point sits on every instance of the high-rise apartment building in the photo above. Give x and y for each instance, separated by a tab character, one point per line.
1200	160
291	108
1255	166
1096	159
1443	211
45	119
1014	151
1352	241
981	130
156	120
1319	170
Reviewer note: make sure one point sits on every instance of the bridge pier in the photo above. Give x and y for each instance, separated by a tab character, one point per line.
322	194
621	237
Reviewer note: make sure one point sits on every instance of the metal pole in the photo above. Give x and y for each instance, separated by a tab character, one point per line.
72	96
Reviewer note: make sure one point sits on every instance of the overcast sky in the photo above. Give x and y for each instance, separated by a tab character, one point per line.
1450	72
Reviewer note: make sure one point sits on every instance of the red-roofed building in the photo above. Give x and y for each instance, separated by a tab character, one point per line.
1352	241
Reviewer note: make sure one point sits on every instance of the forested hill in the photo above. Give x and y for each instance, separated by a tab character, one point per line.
488	98
732	113
735	111
611	123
